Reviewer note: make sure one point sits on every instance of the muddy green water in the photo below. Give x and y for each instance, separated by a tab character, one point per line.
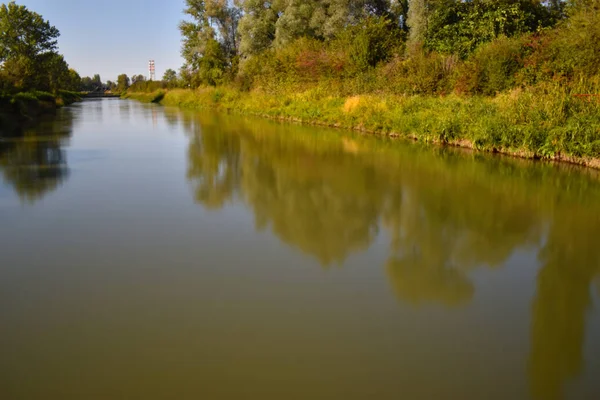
151	253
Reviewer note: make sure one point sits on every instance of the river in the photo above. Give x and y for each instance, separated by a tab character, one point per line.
153	253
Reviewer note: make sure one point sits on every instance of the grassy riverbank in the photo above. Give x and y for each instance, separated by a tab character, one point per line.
519	77
545	121
24	109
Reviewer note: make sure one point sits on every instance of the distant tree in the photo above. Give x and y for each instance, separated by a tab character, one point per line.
185	76
170	78
112	86
123	83
92	84
137	78
74	81
87	84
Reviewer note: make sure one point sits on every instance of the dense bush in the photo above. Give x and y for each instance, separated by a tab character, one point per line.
493	67
419	73
369	43
460	27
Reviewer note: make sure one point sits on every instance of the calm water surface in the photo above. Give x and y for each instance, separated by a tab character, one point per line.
150	253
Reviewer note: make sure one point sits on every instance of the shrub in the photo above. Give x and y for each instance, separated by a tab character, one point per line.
420	73
372	41
493	67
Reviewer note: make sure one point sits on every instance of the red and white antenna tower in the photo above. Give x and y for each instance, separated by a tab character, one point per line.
152	70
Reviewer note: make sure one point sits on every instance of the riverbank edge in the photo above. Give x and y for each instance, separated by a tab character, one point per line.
26	109
439	120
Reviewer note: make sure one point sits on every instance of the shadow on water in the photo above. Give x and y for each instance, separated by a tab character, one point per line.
34	163
445	213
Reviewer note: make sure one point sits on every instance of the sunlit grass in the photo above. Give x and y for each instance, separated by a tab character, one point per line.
544	121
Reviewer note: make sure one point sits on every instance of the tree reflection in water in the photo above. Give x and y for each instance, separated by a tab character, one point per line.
34	163
445	212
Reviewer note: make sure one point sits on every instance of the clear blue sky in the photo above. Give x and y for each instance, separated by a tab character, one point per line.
111	37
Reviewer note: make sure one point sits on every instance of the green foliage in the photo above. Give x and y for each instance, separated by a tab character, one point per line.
460	27
418	16
74	81
170	78
24	33
370	42
520	68
25	108
28	57
257	26
92	84
211	67
69	97
422	73
493	67
123	82
143	86
210	42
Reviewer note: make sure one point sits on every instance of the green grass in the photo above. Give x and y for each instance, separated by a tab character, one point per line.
545	121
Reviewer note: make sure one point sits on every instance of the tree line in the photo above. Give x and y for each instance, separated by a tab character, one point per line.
29	58
30	61
247	41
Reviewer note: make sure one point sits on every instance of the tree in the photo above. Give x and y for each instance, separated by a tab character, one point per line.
92	84
122	82
112	86
74	81
138	78
24	33
52	73
210	42
460	27
324	19
257	26
371	42
419	12
28	57
86	84
170	78
225	19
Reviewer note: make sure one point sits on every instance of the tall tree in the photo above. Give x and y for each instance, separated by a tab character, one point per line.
419	12
122	82
74	81
28	57
97	80
323	19
210	44
24	33
170	78
257	26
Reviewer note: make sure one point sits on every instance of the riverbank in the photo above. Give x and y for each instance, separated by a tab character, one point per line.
25	109
542	122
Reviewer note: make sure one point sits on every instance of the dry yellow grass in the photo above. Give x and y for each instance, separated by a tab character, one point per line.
351	104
